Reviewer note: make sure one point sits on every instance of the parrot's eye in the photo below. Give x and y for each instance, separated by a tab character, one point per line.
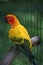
8	18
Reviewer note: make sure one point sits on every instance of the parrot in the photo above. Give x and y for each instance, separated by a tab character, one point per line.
18	34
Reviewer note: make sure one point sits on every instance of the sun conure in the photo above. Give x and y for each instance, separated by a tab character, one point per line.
18	33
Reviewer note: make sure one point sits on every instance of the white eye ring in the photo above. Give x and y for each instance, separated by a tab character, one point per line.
9	19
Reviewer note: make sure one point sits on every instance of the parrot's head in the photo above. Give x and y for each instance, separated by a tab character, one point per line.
11	19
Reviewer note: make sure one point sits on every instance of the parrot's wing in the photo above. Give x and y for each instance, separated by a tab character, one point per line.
24	32
26	35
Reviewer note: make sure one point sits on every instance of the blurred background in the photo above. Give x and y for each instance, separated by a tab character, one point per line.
30	14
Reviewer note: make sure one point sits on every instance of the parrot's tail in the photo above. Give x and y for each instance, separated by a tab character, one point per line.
30	43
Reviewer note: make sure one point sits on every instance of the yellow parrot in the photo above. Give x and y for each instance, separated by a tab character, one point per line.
18	33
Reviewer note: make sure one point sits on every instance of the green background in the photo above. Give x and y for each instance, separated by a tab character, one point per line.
30	14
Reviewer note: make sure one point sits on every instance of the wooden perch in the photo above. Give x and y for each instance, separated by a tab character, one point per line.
12	53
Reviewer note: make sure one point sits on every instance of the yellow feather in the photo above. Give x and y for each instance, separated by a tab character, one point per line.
18	32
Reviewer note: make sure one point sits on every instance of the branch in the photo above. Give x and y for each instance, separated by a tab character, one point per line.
12	53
